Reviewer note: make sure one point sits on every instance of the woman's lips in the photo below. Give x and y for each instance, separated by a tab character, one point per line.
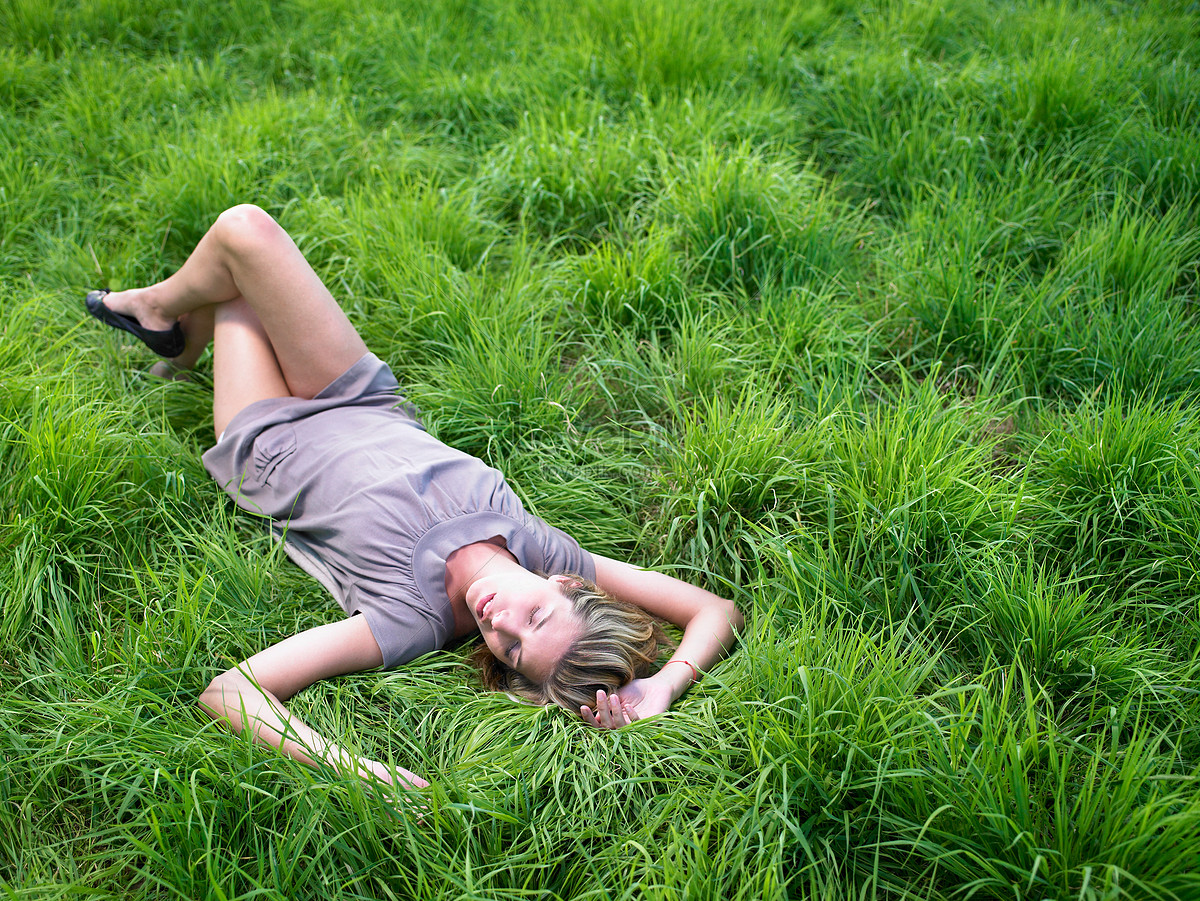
482	605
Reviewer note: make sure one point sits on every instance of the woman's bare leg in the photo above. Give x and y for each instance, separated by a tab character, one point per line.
245	368
246	256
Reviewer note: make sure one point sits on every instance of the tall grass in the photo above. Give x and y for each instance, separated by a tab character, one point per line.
879	318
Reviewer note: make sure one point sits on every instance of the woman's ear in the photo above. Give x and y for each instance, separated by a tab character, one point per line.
566	581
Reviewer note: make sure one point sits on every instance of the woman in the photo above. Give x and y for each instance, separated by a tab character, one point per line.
421	544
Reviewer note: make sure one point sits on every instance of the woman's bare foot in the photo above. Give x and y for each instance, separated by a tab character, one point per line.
139	304
166	369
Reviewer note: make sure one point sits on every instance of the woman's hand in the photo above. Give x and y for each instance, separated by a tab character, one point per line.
398	777
640	698
611	712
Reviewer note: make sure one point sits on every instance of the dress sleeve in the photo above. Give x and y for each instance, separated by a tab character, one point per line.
562	554
403	628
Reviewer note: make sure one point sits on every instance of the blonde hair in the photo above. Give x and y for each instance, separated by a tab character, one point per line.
618	642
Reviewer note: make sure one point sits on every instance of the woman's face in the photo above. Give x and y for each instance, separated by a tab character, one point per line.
526	621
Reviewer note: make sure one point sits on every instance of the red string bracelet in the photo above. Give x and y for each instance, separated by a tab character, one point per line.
695	672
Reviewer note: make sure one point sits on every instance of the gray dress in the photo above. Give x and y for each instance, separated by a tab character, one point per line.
370	504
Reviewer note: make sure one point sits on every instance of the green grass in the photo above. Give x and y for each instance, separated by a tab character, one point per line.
879	317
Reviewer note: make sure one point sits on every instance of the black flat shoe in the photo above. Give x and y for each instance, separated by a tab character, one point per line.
164	342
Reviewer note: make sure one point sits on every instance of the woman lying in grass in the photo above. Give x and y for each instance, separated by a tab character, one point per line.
427	543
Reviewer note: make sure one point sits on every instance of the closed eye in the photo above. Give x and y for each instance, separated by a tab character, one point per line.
533	613
511	653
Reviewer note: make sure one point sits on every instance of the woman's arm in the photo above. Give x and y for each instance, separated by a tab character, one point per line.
710	624
251	695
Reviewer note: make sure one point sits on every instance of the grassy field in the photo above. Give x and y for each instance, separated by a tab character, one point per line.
879	318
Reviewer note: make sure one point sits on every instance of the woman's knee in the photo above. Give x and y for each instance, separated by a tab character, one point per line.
246	228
